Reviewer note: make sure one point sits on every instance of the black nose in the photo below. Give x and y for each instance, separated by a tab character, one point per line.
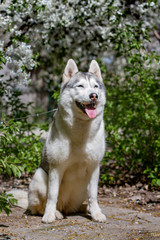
93	96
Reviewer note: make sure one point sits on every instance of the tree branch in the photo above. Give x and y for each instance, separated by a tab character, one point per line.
156	34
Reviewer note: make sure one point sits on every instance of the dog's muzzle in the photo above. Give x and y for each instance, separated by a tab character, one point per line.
90	107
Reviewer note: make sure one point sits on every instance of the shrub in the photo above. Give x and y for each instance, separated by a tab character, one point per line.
20	151
6	201
132	113
20	147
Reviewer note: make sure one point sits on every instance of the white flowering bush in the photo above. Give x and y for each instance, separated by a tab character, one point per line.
49	32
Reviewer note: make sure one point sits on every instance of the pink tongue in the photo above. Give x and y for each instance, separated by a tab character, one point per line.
91	111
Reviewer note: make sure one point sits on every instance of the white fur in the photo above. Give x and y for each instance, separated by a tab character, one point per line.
69	71
74	148
21	196
94	68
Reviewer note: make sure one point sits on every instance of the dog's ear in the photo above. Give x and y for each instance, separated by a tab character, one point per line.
94	68
70	70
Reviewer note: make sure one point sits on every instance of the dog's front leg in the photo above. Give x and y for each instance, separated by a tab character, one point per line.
94	208
54	179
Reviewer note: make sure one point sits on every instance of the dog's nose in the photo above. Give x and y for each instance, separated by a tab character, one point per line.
93	96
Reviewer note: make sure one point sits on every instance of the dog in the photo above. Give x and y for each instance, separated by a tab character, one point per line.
70	165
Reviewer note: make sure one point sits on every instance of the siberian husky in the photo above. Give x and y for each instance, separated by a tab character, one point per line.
69	170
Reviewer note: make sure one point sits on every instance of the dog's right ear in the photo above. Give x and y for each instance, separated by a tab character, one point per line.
70	70
94	68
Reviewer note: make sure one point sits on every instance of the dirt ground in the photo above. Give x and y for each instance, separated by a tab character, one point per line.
133	213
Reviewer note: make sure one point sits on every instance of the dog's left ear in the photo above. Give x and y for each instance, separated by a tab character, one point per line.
94	68
70	70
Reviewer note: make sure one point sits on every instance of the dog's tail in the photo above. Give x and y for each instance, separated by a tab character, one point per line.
21	196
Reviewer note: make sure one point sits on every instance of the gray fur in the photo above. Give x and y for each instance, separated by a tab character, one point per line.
86	76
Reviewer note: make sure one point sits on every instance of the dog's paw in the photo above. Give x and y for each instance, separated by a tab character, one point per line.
48	218
99	217
59	215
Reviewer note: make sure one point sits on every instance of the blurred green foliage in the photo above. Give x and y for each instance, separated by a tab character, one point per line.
6	201
132	114
20	149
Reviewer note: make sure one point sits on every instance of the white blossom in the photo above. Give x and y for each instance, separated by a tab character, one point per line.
56	25
113	18
1	45
152	4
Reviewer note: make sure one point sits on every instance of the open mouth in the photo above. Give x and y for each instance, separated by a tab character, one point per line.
89	108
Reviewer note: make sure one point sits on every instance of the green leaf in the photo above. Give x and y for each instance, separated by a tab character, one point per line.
158	182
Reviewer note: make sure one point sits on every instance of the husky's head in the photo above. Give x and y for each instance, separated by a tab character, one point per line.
83	92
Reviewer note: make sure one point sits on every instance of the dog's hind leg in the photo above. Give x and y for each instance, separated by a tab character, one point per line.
37	195
84	208
59	215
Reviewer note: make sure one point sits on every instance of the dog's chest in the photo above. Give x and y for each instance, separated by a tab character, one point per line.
84	153
76	146
76	171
